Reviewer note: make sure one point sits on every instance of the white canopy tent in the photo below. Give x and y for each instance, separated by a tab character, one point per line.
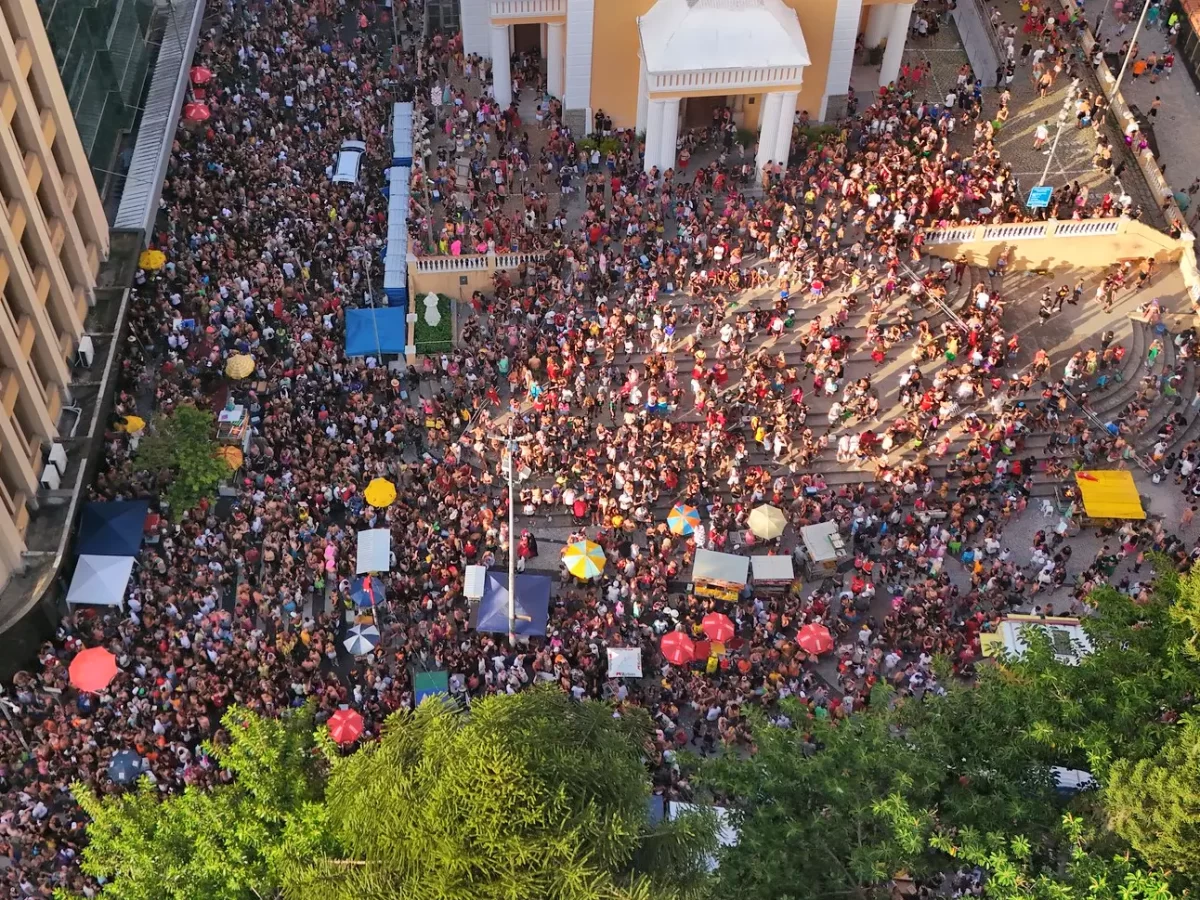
624	662
713	566
374	551
772	568
100	580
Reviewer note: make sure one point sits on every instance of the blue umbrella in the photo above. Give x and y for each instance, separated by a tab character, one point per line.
125	767
367	592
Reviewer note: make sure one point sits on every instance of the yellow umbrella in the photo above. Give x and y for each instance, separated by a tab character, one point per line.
232	455
133	424
380	493
767	521
584	559
152	260
240	365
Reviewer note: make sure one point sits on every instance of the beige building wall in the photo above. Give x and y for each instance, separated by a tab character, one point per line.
53	236
615	46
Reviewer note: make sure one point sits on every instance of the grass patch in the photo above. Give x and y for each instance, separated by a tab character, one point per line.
429	339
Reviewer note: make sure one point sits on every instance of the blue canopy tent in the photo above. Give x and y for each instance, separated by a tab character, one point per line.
367	592
373	331
430	684
532	607
112	529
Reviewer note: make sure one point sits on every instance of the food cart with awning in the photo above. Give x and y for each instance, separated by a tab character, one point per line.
1110	494
719	575
825	547
772	574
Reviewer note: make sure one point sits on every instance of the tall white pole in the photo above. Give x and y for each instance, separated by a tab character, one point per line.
1062	120
1128	54
512	541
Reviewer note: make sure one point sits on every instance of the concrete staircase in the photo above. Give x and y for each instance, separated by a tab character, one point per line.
1104	405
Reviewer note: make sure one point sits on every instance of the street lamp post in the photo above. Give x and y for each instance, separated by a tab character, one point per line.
508	463
1128	53
1063	115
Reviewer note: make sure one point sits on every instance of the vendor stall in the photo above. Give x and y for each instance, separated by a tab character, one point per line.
824	547
1110	494
772	574
719	575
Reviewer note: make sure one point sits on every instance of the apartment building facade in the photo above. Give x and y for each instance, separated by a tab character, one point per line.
53	238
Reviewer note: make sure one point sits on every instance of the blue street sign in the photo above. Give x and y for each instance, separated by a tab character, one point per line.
1039	197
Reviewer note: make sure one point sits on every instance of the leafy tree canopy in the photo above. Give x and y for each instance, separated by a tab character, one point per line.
184	445
532	795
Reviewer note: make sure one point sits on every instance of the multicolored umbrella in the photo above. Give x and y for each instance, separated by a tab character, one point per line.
718	627
361	639
232	455
367	592
91	670
345	726
584	559
152	260
767	521
125	767
240	365
380	493
683	519
677	648
815	639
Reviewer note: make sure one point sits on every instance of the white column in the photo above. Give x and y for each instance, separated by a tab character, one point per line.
787	117
768	129
654	130
841	52
474	15
556	49
578	65
501	66
879	24
670	134
893	54
643	107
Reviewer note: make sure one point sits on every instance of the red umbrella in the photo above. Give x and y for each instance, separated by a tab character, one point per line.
200	75
815	639
345	726
718	627
678	648
92	669
196	112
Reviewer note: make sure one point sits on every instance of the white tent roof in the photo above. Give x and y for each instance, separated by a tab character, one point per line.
818	540
374	551
624	662
475	582
772	568
100	580
691	35
713	566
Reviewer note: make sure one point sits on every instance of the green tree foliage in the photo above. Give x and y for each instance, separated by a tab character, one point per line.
1087	872
183	446
1155	803
967	775
228	843
532	795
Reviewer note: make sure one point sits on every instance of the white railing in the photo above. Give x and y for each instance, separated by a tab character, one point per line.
1021	232
472	262
1087	227
430	265
526	9
732	79
950	235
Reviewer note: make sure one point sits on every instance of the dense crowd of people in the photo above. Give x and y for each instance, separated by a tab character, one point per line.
627	359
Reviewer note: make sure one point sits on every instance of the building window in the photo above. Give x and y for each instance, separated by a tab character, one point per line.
104	50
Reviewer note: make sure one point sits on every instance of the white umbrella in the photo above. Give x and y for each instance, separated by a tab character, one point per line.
361	639
767	521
